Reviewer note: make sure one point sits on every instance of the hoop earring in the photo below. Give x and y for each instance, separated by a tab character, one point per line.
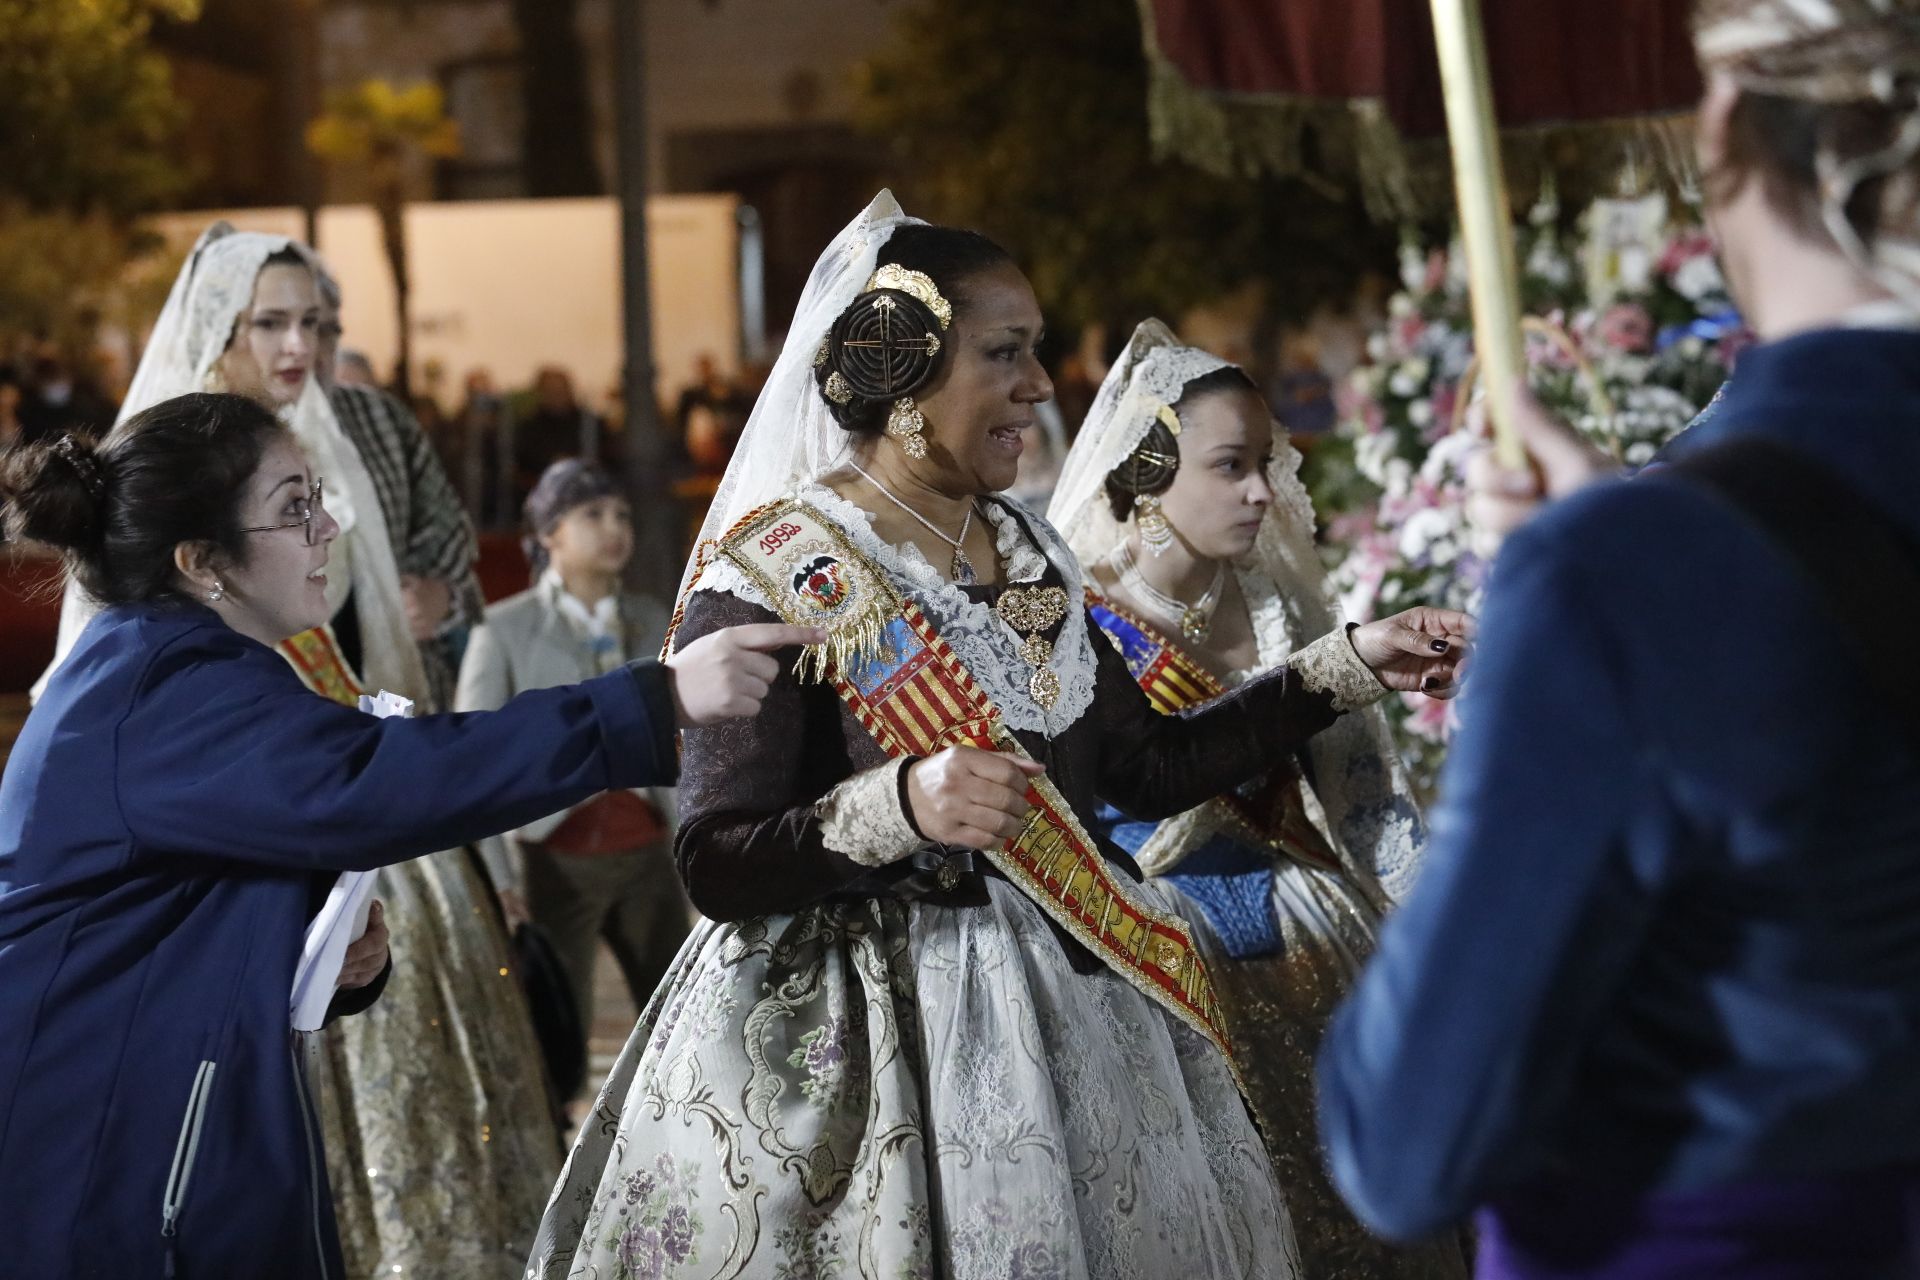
1155	533
907	425
218	593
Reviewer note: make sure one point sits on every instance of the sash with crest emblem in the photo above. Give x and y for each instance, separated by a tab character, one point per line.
907	688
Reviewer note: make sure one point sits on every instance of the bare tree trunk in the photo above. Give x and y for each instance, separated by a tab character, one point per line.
391	201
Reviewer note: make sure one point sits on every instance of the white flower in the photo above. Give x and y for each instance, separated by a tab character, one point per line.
1699	278
1424	530
1640	454
1397	476
1404	383
1449	455
1636	265
1377	346
1371	453
1400	306
1413	267
1420	412
1548	263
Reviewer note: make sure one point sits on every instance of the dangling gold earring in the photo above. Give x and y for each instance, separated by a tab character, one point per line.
1155	533
907	425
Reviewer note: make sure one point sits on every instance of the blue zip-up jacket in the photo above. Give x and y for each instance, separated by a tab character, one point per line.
172	809
1667	938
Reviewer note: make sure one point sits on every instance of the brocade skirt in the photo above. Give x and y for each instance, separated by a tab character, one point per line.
882	1089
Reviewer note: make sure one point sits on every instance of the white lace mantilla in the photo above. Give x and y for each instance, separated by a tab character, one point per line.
985	645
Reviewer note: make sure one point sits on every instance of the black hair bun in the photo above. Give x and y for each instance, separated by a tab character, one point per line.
1150	468
53	494
885	345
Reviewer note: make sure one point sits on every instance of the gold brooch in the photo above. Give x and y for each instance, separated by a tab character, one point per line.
1029	611
1032	608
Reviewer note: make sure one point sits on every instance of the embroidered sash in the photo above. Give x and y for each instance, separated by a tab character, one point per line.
1269	813
907	688
316	656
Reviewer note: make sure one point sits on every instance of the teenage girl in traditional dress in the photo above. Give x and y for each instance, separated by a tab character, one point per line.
1182	498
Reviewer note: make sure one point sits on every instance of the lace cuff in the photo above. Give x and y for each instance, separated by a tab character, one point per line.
865	819
1330	665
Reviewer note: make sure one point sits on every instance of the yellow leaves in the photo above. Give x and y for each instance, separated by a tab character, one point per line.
376	117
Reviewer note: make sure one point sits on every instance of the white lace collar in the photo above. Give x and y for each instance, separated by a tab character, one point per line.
987	646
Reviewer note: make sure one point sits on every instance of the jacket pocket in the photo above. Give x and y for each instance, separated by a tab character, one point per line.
186	1149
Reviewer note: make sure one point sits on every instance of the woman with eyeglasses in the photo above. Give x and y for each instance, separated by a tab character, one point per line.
175	811
441	1146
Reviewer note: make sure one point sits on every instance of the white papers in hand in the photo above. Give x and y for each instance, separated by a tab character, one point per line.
342	919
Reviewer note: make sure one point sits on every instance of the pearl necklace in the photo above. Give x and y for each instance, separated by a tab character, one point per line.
961	569
1196	619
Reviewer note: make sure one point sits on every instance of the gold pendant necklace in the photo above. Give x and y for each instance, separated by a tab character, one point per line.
1196	619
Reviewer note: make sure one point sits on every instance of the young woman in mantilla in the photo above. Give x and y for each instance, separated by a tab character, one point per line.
1181	497
931	1025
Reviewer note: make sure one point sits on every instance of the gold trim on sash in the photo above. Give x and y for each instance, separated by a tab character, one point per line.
907	688
315	655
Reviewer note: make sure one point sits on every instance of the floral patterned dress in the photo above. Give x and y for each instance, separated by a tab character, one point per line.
861	1071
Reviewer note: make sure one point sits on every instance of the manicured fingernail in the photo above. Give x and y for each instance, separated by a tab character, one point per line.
1439	646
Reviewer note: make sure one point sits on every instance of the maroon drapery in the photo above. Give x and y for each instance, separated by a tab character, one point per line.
1227	70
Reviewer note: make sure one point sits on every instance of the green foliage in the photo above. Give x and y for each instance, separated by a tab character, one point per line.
63	275
87	106
1029	122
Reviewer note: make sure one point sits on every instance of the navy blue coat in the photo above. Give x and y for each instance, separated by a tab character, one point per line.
1668	934
173	807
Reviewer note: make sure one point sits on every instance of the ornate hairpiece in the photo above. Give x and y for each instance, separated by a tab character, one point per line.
1168	417
915	284
83	465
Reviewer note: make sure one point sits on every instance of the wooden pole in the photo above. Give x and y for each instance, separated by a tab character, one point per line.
1486	226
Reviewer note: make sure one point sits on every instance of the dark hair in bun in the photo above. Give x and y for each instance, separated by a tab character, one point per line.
1147	470
872	375
175	473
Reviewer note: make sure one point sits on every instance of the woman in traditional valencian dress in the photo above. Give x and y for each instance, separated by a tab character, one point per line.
931	1027
438	1137
1181	499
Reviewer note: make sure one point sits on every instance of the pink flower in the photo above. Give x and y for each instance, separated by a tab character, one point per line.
1407	331
1626	326
1683	249
1436	271
1431	719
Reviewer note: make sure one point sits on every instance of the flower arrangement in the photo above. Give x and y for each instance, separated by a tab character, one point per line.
1632	334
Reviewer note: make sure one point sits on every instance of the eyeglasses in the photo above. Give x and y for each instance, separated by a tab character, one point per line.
304	508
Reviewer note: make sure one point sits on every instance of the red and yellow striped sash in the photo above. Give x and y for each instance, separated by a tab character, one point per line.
1271	813
316	656
905	686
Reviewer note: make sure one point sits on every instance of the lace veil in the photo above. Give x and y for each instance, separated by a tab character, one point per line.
208	297
1359	781
791	437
